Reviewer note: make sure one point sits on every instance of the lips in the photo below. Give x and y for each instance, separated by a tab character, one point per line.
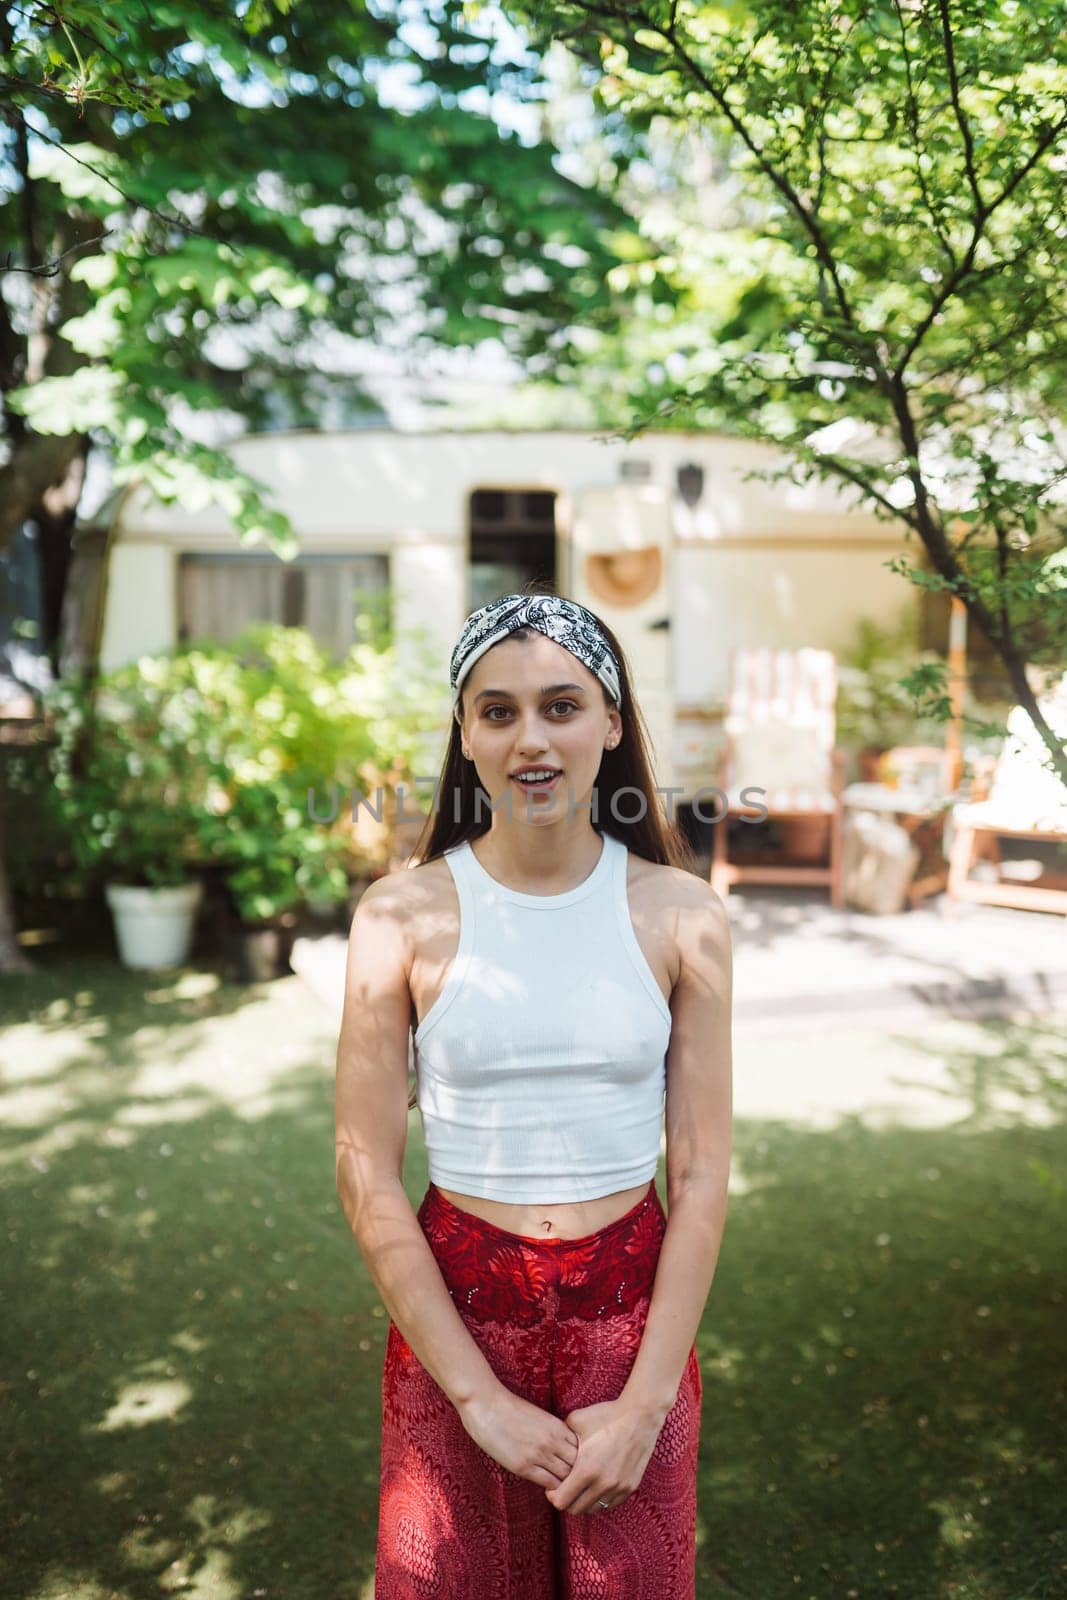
541	787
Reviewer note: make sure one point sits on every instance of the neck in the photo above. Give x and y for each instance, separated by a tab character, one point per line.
549	860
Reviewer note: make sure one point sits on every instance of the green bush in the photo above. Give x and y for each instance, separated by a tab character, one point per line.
227	756
126	787
874	712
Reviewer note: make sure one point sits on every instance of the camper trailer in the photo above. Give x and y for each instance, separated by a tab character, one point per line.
674	538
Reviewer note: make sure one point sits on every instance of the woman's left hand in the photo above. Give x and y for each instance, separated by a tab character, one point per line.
615	1441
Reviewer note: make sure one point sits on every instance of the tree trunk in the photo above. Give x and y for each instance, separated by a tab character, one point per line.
55	519
43	475
40	465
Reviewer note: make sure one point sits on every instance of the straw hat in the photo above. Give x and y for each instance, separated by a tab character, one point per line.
624	577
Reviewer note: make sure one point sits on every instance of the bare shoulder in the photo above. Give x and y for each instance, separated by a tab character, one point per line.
402	894
675	887
410	905
688	910
403	884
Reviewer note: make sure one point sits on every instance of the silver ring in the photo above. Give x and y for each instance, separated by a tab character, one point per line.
604	1504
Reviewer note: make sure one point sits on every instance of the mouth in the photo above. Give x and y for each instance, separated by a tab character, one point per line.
537	785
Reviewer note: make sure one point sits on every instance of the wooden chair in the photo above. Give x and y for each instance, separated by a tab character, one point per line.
1017	796
780	728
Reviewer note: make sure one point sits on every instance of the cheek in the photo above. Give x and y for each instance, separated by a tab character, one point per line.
582	744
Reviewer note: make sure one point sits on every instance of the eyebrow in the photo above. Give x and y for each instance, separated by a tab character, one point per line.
551	688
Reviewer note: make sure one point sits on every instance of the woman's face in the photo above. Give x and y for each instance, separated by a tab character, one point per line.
532	703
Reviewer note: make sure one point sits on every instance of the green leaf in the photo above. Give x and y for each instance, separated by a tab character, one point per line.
87	399
98	272
79	171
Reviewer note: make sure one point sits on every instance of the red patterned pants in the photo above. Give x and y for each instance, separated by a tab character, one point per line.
560	1322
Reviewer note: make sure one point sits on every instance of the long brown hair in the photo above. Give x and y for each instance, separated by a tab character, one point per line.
626	770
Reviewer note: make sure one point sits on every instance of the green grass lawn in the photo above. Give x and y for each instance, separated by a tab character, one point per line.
193	1347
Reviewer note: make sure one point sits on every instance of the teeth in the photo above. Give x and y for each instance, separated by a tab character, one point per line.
535	777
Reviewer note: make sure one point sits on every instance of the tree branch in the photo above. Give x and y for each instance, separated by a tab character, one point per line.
913	121
822	249
48	269
961	116
855	476
955	279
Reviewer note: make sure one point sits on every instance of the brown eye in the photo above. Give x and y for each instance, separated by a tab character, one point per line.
488	713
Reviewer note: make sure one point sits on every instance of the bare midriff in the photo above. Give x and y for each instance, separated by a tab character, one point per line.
572	1219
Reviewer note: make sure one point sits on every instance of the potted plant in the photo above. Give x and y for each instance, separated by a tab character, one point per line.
124	793
217	762
305	737
278	860
293	733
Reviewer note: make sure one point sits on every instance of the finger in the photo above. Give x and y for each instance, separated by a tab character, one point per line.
545	1477
575	1495
562	1496
561	1464
590	1503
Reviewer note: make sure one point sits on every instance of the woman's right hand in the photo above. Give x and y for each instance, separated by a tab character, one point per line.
530	1442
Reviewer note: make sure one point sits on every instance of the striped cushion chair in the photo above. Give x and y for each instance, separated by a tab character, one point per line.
780	729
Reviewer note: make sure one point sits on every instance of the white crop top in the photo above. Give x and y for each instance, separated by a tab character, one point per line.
540	1069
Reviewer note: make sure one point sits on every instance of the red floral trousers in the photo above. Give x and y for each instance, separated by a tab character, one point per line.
560	1322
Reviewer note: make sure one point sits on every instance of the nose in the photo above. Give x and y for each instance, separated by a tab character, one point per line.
531	728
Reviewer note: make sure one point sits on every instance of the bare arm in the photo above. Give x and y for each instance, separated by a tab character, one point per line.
371	1135
699	1139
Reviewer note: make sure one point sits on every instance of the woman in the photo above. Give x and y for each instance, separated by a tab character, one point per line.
563	972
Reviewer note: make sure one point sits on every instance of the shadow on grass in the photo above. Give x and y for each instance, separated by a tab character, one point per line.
193	1346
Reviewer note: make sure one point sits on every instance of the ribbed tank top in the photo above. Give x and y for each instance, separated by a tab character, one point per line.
540	1069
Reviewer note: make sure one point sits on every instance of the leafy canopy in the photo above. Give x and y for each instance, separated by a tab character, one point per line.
207	203
863	262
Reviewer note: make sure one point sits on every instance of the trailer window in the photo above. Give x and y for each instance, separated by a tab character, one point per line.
219	595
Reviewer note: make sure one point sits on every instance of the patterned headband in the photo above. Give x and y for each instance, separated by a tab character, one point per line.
565	621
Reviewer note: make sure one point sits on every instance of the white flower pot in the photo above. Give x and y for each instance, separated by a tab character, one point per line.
154	927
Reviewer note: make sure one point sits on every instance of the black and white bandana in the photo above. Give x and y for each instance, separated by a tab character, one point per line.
565	621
